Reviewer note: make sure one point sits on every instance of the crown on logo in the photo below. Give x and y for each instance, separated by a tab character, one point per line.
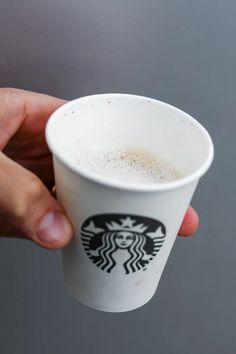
126	224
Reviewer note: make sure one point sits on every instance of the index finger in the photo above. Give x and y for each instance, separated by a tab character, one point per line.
190	223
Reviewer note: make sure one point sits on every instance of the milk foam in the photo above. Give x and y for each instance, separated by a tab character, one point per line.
129	165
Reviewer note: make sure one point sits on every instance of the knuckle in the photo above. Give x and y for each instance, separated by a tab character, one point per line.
20	209
23	203
34	189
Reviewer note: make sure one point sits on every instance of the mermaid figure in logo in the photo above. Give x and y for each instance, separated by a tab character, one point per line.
101	244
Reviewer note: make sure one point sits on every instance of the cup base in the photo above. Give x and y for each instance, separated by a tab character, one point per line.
107	308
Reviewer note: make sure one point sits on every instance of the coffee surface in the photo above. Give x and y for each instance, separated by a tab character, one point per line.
129	165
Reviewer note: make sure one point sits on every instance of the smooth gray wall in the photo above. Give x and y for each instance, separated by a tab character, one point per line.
179	51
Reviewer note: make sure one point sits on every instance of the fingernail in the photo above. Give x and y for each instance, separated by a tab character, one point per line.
54	228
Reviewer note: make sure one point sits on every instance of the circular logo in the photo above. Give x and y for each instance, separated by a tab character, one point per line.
138	238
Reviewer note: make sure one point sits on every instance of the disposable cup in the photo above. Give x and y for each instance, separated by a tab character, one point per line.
98	270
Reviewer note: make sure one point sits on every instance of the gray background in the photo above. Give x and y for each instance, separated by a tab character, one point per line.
179	51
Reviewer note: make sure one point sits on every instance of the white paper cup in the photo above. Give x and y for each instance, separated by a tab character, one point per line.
98	272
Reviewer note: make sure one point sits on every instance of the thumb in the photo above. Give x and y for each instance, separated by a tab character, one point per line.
29	209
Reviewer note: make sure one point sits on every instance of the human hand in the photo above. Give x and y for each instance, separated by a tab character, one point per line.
190	223
27	208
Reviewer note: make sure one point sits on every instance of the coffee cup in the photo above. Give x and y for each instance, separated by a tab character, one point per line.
124	227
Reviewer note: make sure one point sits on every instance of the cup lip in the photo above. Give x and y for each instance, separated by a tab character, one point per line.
137	187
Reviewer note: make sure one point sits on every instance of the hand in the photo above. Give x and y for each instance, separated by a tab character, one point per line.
190	223
27	208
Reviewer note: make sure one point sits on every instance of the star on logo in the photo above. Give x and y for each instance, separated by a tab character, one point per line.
92	228
157	233
127	222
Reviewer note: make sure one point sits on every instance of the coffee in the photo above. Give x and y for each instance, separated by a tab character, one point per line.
129	165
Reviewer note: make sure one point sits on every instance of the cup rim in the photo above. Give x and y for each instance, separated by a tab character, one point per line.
137	187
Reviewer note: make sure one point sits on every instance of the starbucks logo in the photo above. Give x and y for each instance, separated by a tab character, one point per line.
138	238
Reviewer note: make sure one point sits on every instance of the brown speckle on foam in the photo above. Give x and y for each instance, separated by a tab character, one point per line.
130	164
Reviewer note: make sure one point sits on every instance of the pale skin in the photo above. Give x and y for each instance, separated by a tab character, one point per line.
28	208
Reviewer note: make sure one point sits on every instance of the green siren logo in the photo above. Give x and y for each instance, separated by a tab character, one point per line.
138	238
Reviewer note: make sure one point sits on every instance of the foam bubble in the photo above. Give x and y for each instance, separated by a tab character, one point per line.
129	165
